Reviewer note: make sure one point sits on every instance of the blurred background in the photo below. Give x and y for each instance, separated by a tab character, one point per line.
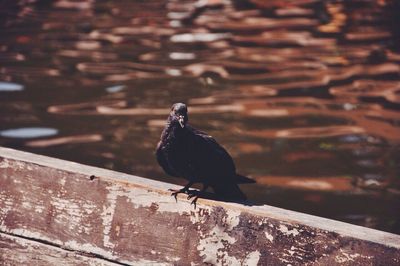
304	94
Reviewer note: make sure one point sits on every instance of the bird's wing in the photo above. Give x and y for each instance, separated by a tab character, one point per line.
209	157
162	159
239	179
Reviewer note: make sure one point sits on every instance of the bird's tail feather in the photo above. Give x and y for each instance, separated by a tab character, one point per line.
229	192
240	179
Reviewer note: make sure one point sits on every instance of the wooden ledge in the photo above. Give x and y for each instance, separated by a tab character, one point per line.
51	208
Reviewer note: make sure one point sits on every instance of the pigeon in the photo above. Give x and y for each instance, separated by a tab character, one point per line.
186	152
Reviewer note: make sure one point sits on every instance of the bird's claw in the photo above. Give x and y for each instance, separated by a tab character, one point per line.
194	201
176	192
191	195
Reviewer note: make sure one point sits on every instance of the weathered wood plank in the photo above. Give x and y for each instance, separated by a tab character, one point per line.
19	251
135	221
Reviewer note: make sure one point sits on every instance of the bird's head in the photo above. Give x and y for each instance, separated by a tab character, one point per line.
179	113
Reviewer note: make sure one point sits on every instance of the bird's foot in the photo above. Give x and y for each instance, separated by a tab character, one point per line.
194	201
175	192
195	195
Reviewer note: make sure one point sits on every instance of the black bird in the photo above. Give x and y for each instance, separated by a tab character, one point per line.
184	151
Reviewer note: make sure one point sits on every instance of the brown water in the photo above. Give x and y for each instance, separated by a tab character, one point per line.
304	94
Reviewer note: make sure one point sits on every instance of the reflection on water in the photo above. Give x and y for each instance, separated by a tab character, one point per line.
9	86
28	132
305	94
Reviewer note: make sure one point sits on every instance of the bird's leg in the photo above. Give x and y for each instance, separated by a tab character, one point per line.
196	194
185	189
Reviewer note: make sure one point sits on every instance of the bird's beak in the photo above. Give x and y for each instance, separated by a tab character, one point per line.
181	120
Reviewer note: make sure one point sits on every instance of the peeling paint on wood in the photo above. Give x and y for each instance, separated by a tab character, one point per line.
116	218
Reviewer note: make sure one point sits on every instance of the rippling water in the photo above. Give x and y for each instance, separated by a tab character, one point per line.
305	94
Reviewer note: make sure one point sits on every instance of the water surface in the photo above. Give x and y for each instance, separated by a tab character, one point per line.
305	95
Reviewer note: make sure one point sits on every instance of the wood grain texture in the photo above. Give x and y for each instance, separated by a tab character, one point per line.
123	220
19	251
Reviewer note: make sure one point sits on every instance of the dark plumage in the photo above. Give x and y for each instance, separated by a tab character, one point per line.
184	151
